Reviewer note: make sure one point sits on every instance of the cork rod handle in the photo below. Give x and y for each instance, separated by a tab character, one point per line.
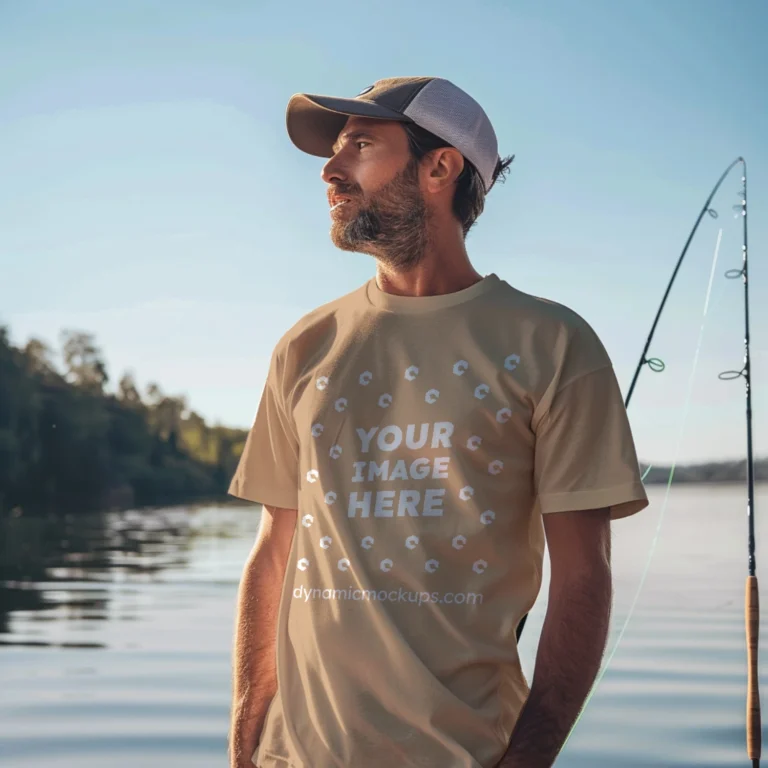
752	615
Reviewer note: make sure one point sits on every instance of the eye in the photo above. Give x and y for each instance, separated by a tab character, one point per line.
360	144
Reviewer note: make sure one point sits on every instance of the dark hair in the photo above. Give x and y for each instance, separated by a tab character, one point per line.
469	195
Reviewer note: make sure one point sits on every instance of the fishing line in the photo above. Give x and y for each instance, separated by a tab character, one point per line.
646	568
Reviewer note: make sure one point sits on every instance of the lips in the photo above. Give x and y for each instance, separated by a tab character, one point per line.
335	200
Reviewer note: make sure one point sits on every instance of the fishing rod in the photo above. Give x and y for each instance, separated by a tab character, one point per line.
751	598
656	365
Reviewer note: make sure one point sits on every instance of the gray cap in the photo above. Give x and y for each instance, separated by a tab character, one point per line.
437	105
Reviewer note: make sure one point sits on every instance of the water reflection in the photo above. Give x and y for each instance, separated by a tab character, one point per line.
142	604
75	569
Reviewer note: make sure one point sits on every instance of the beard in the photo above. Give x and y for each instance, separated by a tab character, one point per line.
389	224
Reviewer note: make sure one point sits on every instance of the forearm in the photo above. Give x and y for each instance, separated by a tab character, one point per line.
571	647
254	658
254	680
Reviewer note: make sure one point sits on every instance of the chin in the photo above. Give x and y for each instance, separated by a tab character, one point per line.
341	241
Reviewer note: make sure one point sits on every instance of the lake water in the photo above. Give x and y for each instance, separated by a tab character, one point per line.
115	647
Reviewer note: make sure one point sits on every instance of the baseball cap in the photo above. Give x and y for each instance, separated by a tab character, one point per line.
433	103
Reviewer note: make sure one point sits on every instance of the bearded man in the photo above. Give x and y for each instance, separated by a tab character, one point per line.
417	444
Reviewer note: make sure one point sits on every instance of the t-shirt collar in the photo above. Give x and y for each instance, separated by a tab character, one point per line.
420	304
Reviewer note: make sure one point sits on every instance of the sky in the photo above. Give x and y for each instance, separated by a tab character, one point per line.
149	193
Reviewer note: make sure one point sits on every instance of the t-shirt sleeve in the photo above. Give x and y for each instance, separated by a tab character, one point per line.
268	470
585	455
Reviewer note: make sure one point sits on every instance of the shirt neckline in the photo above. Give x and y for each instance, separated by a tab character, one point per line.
421	304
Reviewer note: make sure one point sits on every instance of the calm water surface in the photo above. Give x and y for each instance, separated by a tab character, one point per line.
116	635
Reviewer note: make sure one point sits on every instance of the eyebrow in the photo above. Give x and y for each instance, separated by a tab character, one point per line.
350	137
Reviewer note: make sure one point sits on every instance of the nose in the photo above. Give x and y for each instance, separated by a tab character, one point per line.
333	172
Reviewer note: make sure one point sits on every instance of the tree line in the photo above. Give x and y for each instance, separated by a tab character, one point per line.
67	445
709	472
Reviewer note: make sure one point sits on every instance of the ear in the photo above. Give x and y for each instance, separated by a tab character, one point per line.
442	167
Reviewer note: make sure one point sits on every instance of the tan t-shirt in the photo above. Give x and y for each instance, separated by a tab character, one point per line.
421	440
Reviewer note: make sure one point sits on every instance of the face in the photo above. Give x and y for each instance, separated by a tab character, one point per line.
377	206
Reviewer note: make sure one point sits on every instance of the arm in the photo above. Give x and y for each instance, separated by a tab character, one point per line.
255	674
573	637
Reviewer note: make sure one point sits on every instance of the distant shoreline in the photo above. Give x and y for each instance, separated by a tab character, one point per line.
709	472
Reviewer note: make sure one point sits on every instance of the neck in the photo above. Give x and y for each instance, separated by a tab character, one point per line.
444	268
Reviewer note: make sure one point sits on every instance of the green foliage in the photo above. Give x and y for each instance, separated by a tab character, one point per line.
83	362
67	446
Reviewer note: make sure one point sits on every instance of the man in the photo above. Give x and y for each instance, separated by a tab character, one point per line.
417	442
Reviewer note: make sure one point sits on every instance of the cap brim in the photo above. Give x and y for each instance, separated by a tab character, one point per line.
314	122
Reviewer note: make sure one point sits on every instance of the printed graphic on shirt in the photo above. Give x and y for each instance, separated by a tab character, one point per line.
388	454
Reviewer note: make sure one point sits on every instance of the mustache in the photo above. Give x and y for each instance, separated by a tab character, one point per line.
345	190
